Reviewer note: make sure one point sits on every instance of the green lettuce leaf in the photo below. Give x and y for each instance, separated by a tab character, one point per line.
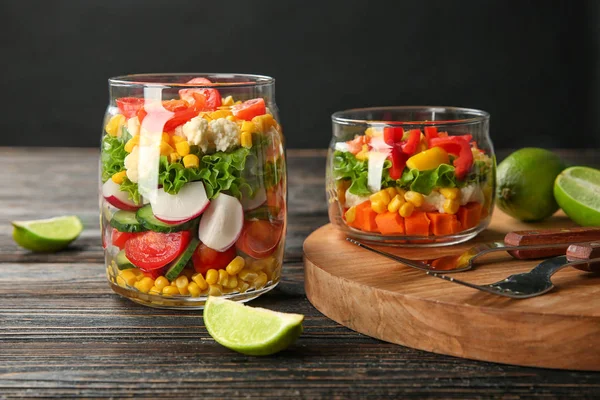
347	166
132	190
112	157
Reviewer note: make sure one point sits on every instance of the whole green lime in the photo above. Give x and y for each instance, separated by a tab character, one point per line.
525	183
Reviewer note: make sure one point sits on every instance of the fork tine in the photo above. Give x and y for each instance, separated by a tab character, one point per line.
471	285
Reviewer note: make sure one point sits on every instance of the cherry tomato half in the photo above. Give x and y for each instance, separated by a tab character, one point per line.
260	238
205	258
249	109
152	250
129	106
120	238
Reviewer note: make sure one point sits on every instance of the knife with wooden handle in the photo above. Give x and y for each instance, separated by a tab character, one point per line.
585	251
557	240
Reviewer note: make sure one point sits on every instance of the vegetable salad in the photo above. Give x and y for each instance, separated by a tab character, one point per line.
206	214
412	183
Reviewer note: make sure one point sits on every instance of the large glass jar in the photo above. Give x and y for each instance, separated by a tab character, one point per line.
416	176
193	188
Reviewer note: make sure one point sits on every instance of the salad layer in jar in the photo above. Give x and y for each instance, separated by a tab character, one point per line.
411	184
198	208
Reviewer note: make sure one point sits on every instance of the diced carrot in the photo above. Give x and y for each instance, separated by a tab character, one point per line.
470	214
390	223
365	218
443	224
417	224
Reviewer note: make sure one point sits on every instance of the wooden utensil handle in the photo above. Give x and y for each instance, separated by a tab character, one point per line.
585	251
561	237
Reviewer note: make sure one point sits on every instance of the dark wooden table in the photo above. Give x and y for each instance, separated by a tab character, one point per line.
65	334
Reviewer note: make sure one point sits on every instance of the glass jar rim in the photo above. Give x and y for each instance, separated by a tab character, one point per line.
164	80
339	117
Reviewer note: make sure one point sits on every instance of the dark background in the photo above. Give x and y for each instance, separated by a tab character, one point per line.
534	65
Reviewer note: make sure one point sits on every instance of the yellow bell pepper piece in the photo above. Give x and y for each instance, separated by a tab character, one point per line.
428	159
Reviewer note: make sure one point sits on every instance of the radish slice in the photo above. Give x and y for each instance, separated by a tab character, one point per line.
189	203
117	198
222	223
260	197
376	160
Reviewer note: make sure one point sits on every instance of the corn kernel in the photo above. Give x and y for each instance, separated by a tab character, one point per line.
223	277
261	280
200	281
415	198
242	286
183	290
231	118
215	290
154	290
232	282
183	148
391	191
131	143
246	139
378	207
372	132
191	160
351	214
113	127
194	289
450	193
248	126
181	281
212	276
161	282
451	206
235	265
176	139
363	154
129	277
166	138
255	265
170	290
227	101
400	191
144	285
119	177
247	275
174	157
382	196
396	203
165	148
220	114
406	209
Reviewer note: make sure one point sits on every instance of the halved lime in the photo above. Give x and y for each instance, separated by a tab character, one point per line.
47	235
577	191
249	330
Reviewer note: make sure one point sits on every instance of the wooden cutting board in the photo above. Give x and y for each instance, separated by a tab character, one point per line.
395	303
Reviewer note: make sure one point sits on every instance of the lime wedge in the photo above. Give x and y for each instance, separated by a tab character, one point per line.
577	192
47	235
248	330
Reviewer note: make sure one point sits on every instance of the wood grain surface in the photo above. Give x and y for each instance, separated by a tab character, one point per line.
385	299
64	334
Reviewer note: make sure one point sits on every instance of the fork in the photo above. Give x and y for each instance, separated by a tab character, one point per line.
538	281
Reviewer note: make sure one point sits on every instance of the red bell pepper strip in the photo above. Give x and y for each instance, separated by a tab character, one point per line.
410	146
398	159
459	147
393	135
430	133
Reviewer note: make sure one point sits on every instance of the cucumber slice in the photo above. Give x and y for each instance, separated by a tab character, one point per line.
181	261
126	221
147	219
123	262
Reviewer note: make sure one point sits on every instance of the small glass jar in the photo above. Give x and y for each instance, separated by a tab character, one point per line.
192	188
411	176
